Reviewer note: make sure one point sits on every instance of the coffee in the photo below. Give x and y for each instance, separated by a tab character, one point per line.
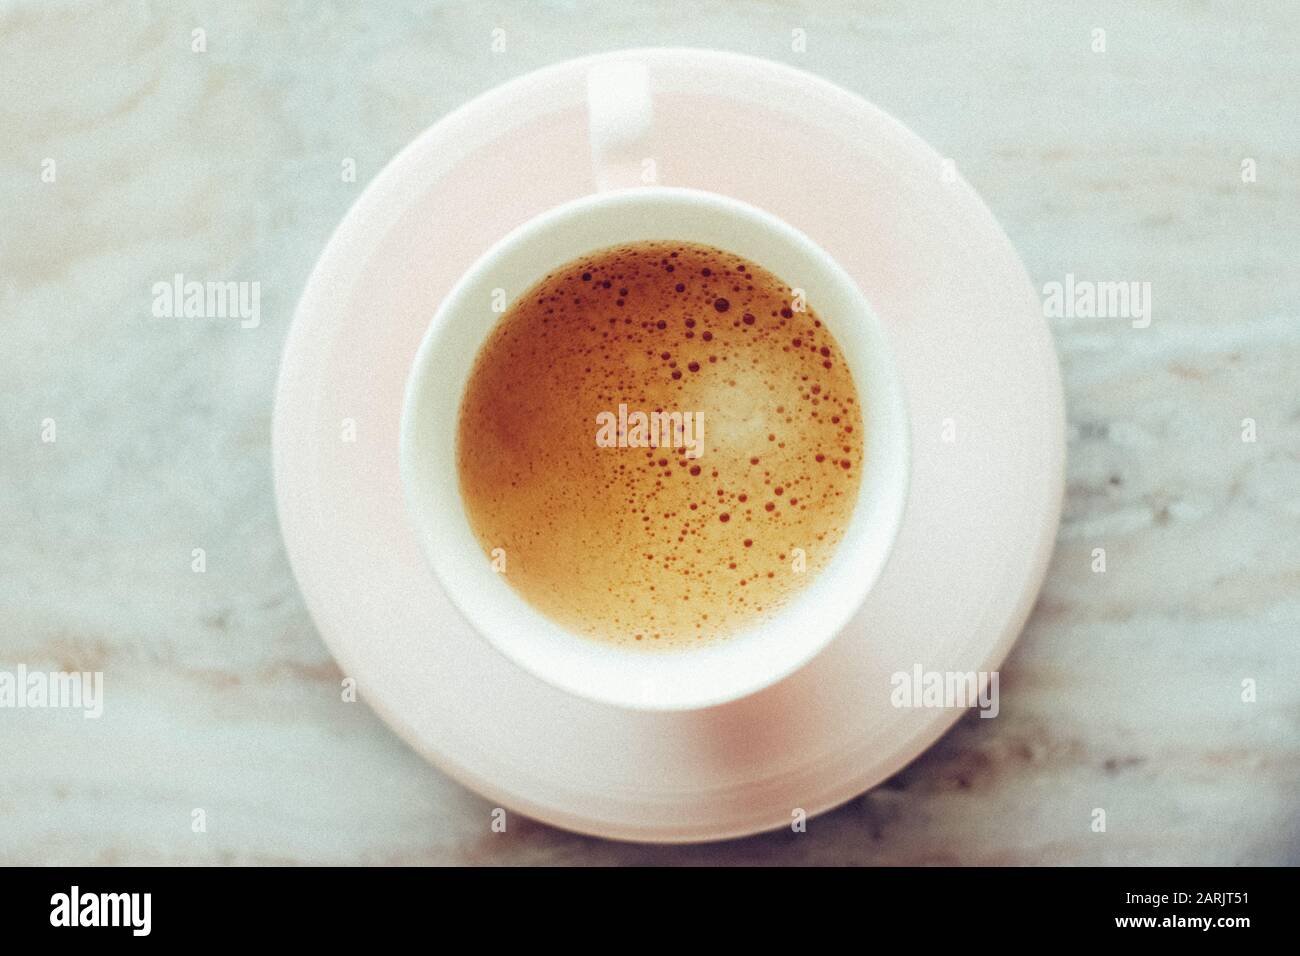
660	444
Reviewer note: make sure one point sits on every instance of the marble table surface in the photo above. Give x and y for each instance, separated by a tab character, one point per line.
1125	691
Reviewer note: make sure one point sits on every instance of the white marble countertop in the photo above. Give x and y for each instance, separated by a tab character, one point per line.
1125	691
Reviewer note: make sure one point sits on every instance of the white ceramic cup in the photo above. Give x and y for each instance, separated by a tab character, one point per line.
661	679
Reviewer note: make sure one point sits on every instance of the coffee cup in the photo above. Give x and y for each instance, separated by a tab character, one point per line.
687	677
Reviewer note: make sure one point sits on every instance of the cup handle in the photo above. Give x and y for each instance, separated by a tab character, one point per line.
620	115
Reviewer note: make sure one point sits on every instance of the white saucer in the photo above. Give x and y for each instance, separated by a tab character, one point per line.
976	359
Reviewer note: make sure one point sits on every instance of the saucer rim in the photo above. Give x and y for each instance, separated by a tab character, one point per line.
377	194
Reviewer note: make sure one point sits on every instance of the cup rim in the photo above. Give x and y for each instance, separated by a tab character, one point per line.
888	435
